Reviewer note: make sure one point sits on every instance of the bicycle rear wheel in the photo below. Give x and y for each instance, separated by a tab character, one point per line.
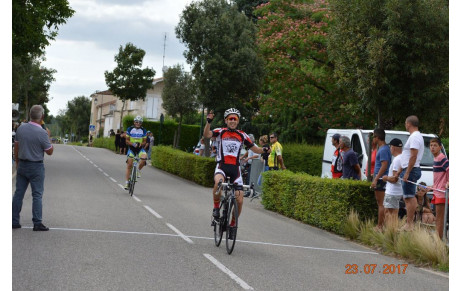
232	216
219	226
133	181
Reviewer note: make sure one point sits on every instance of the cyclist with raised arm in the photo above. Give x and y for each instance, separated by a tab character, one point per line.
230	142
136	137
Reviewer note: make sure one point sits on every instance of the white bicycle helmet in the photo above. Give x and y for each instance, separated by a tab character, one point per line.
231	111
138	118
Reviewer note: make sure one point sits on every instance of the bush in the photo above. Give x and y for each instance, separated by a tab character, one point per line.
104	142
324	203
303	158
188	166
188	138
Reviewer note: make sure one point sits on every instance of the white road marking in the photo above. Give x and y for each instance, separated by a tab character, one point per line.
109	231
180	233
152	211
95	165
100	169
105	174
91	162
121	186
113	180
137	199
232	275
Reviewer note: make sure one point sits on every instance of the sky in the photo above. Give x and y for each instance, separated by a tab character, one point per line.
87	44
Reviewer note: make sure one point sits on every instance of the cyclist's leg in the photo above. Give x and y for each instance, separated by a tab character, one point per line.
216	196
237	180
129	163
143	157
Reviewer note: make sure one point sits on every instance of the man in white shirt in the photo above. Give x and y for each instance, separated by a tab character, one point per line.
410	163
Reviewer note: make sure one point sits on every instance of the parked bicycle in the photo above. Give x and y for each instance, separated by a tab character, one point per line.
228	217
133	177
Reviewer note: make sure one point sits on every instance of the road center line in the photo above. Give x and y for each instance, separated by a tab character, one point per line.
152	211
113	180
180	233
105	174
100	169
232	275
95	165
137	199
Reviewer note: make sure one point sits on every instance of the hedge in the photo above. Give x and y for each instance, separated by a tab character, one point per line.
189	135
188	166
321	202
104	142
303	158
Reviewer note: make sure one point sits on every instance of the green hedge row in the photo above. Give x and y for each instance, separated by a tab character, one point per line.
303	158
324	203
189	136
104	142
188	166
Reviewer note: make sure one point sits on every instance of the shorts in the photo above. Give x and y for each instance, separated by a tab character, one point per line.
131	154
231	171
437	200
381	185
409	189
391	201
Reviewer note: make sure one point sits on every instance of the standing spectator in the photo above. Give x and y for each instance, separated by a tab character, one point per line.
152	142
30	144
440	181
117	141
382	161
214	146
373	155
263	140
111	133
351	167
410	162
202	147
248	158
147	144
275	159
123	143
393	191
337	160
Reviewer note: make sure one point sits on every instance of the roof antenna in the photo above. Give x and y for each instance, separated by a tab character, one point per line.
164	52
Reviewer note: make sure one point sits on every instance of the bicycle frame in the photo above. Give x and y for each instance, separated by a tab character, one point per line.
133	176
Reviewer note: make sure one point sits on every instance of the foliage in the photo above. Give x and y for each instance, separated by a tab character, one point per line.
392	57
105	142
324	203
301	99
248	6
128	81
35	23
178	95
221	49
164	135
75	119
30	84
303	158
188	166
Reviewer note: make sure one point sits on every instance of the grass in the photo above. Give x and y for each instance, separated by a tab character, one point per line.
421	246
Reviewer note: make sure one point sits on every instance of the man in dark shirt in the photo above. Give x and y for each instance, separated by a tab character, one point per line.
351	167
31	142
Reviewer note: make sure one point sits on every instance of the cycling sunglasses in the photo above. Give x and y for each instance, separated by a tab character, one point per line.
233	118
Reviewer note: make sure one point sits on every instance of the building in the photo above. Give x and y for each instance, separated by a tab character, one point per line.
106	108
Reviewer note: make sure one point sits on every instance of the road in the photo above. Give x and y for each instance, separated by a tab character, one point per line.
100	238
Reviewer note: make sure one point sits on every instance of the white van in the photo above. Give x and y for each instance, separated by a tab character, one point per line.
360	145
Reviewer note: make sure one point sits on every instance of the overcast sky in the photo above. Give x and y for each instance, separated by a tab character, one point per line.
86	45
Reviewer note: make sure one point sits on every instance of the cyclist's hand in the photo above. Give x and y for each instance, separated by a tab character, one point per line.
135	145
210	116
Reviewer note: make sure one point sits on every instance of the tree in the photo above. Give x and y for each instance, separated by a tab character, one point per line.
222	51
178	95
248	6
35	23
393	56
301	99
75	118
31	83
128	81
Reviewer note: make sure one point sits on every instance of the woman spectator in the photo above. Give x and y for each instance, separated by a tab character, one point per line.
117	141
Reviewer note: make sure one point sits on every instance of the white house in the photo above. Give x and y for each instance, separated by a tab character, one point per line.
106	108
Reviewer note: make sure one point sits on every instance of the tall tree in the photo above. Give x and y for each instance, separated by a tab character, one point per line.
31	83
35	23
301	99
248	6
75	118
128	81
178	95
221	49
393	56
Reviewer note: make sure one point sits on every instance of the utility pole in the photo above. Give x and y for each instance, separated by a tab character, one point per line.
164	51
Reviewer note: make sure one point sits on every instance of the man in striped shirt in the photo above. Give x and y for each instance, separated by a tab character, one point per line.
440	182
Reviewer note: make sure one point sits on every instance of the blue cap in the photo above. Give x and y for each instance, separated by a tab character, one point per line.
336	136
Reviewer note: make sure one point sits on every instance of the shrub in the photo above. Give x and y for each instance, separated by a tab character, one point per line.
105	142
188	166
303	158
324	203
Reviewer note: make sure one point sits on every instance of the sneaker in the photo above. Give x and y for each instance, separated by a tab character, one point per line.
16	226
40	227
215	213
138	175
231	232
126	186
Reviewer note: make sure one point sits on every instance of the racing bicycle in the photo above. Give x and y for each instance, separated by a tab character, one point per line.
133	177
228	212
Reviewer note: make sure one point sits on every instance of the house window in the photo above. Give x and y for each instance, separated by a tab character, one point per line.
151	110
112	108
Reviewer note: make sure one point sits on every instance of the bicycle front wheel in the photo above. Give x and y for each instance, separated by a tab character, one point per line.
232	222
133	181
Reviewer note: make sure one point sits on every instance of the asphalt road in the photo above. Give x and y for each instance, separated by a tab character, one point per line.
100	238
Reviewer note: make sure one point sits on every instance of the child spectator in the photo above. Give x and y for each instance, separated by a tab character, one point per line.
440	182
